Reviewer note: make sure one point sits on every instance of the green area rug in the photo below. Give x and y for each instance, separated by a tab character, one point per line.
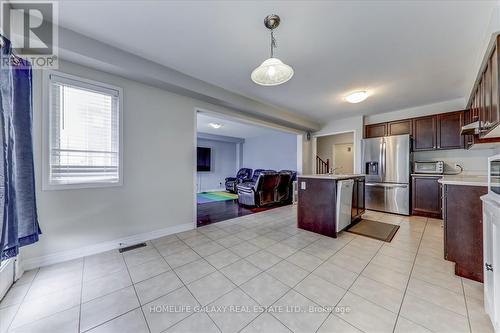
205	197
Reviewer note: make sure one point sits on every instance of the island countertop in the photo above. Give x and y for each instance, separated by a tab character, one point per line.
332	177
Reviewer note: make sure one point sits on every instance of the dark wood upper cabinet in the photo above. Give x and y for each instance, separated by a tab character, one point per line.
448	130
494	111
375	130
436	132
399	127
424	133
426	196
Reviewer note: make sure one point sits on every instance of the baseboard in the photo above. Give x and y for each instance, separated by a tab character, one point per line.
84	251
6	275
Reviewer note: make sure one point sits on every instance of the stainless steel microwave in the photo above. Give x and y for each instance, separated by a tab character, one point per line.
494	176
436	167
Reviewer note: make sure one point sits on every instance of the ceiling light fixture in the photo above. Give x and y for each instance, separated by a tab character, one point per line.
216	125
272	72
356	97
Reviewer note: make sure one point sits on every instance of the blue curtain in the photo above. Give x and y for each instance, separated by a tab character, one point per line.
19	221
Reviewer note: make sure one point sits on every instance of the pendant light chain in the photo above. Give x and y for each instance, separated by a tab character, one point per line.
273	43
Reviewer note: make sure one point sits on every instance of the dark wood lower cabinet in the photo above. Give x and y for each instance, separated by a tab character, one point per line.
463	229
316	206
426	196
316	209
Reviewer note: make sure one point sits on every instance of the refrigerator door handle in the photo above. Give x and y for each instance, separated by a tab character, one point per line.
382	161
387	185
384	151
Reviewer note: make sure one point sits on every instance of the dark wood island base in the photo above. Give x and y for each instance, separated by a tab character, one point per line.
316	210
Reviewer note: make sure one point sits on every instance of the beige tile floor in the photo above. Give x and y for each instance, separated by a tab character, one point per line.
233	269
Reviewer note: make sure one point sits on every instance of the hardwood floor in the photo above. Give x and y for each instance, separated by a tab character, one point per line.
212	212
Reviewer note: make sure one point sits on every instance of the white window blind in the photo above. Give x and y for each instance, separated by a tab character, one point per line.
84	142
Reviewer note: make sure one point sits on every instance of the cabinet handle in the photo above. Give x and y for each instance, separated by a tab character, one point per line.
488	267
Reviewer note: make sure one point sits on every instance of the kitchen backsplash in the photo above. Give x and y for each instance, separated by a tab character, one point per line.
473	161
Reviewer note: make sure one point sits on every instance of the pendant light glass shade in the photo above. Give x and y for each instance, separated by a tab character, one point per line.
272	72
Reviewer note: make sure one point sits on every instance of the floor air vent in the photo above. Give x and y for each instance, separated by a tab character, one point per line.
131	247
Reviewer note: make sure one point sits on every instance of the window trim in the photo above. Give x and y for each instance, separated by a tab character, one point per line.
46	99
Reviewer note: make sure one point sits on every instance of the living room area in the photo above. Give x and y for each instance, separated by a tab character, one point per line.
243	166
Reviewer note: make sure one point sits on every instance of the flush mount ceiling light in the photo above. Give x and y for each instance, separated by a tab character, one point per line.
356	97
216	125
272	72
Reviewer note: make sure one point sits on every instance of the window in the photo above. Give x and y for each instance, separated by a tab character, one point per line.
83	133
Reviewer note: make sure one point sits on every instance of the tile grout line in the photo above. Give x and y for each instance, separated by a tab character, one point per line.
289	288
80	303
183	286
81	298
350	286
135	290
409	278
262	271
22	301
466	305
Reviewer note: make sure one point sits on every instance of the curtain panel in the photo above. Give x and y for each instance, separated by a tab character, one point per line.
18	213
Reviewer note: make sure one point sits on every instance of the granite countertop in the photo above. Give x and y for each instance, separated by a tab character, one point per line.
468	180
332	177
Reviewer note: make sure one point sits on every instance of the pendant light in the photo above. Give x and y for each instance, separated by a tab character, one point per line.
272	72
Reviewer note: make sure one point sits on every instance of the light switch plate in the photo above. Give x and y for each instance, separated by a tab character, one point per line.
302	185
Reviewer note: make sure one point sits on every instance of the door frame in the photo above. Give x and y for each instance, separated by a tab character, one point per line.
244	119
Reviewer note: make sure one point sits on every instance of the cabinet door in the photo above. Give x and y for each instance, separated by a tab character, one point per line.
469	139
399	127
488	215
448	134
484	113
426	196
375	130
475	107
494	110
424	133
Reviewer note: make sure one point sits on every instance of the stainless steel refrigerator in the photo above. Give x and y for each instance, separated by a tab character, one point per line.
386	162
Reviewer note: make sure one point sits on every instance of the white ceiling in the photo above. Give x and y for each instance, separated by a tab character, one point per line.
406	53
235	129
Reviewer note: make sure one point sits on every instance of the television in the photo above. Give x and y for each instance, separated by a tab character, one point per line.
204	158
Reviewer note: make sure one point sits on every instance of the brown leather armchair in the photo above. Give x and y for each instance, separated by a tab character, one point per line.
260	193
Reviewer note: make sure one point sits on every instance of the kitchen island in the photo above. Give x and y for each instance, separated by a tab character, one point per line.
317	202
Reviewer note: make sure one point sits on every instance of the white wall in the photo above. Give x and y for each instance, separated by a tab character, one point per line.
223	164
276	151
158	189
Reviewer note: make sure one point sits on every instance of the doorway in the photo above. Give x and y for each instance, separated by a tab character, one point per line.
231	152
342	158
335	153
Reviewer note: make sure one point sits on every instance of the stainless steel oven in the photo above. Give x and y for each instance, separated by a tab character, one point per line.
494	176
433	167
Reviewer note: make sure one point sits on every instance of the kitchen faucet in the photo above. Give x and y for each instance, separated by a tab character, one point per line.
332	171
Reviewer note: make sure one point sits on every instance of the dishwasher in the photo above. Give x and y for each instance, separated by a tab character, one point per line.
344	203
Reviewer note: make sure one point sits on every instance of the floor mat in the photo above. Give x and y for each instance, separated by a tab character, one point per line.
205	197
373	229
